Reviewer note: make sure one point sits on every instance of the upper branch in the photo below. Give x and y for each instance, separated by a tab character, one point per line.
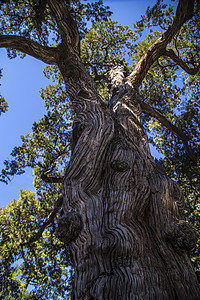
66	24
183	13
164	121
192	71
25	45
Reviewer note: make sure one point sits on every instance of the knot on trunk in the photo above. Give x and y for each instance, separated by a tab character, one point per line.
182	235
120	166
69	227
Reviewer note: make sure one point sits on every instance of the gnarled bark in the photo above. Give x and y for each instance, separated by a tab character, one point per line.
129	241
122	216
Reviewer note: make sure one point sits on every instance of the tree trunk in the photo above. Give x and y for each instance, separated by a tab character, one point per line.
122	215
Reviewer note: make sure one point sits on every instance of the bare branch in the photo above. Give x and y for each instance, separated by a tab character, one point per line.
65	22
48	220
192	71
183	13
153	112
32	48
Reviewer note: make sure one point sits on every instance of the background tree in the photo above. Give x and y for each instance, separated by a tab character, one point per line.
156	204
3	103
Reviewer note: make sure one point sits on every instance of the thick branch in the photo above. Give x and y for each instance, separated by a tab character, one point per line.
183	13
192	71
65	22
25	45
48	220
164	121
51	179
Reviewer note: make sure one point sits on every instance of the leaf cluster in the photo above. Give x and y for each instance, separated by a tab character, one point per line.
105	42
47	147
37	270
3	103
33	19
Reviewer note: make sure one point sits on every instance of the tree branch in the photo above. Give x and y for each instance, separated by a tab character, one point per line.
51	179
48	220
183	13
192	71
66	24
32	48
153	112
165	66
97	76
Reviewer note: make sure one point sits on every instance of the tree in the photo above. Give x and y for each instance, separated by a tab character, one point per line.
3	104
121	215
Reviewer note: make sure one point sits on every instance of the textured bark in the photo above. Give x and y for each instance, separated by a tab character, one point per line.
66	24
122	216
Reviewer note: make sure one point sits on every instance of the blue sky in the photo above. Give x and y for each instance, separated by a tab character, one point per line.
20	85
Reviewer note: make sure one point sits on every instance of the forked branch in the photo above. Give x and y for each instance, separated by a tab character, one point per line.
183	13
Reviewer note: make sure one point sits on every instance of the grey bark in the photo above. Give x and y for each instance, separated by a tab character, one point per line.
122	215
